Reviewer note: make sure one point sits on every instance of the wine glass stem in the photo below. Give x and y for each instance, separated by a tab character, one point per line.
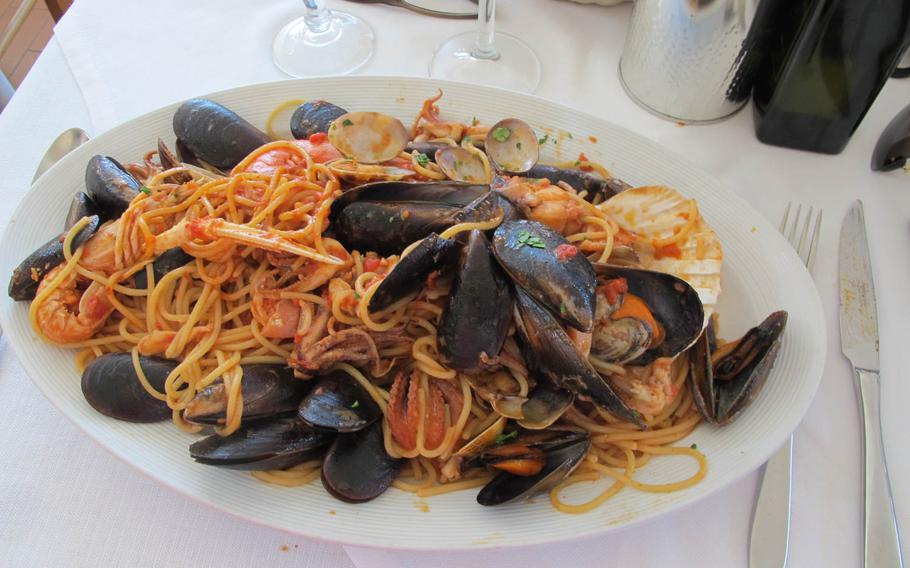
485	44
317	15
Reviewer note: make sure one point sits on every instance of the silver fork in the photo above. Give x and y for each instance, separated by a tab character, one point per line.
769	542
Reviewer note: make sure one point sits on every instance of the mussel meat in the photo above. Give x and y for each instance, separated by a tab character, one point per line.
268	390
724	382
357	467
314	116
215	134
533	463
337	402
110	385
274	444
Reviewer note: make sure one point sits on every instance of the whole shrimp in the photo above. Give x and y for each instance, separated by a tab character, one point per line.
69	314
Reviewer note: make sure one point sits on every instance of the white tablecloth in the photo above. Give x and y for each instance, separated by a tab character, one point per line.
64	501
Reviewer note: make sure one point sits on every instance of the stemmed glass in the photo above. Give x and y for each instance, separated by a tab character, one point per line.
322	42
487	57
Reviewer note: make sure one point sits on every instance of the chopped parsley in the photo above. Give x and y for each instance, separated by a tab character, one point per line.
518	145
474	121
356	404
527	238
694	446
501	133
577	162
356	296
347	122
544	139
422	159
503	438
562	309
392	219
145	190
569	134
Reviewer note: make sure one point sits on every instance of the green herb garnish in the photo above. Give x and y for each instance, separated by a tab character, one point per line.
518	145
356	404
544	139
527	238
577	162
562	309
422	159
694	446
503	438
569	134
145	190
392	219
474	121
347	122
501	134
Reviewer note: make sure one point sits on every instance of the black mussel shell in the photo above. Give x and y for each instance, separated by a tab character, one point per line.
337	402
167	261
564	451
357	467
723	390
428	149
216	134
111	386
110	186
548	351
673	303
23	284
410	274
544	407
527	250
386	217
273	444
596	188
268	390
314	116
81	206
893	147
479	310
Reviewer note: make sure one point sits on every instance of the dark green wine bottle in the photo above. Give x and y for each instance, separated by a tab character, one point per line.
826	64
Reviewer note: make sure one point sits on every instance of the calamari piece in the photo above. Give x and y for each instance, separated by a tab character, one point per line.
659	216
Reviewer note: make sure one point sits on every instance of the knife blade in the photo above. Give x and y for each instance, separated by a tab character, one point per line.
859	342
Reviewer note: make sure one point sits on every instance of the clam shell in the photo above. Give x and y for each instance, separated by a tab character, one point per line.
369	137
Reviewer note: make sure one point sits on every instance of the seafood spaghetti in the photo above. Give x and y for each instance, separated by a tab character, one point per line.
422	307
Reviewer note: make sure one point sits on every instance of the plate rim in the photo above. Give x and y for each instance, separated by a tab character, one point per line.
815	366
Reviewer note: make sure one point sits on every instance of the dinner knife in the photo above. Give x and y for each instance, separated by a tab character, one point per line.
859	342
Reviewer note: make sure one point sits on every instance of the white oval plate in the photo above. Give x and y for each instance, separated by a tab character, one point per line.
761	274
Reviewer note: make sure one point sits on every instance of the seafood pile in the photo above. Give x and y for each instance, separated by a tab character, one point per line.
597	328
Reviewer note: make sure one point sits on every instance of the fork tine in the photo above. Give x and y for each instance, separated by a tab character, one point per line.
803	248
813	245
783	222
791	235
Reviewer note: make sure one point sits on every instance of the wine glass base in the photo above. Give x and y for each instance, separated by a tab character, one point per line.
344	46
517	67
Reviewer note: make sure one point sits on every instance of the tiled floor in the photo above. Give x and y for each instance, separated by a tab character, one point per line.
28	43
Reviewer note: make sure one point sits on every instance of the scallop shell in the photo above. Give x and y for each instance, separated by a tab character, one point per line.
655	213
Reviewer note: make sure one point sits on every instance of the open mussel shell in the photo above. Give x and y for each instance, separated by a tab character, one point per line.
527	252
267	389
273	444
386	217
459	164
81	206
562	452
110	186
337	402
110	385
673	303
476	318
356	172
23	284
511	144
550	353
215	133
167	261
596	189
410	274
368	137
357	467
723	389
314	116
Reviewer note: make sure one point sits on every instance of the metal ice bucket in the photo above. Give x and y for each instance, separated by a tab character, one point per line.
691	60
